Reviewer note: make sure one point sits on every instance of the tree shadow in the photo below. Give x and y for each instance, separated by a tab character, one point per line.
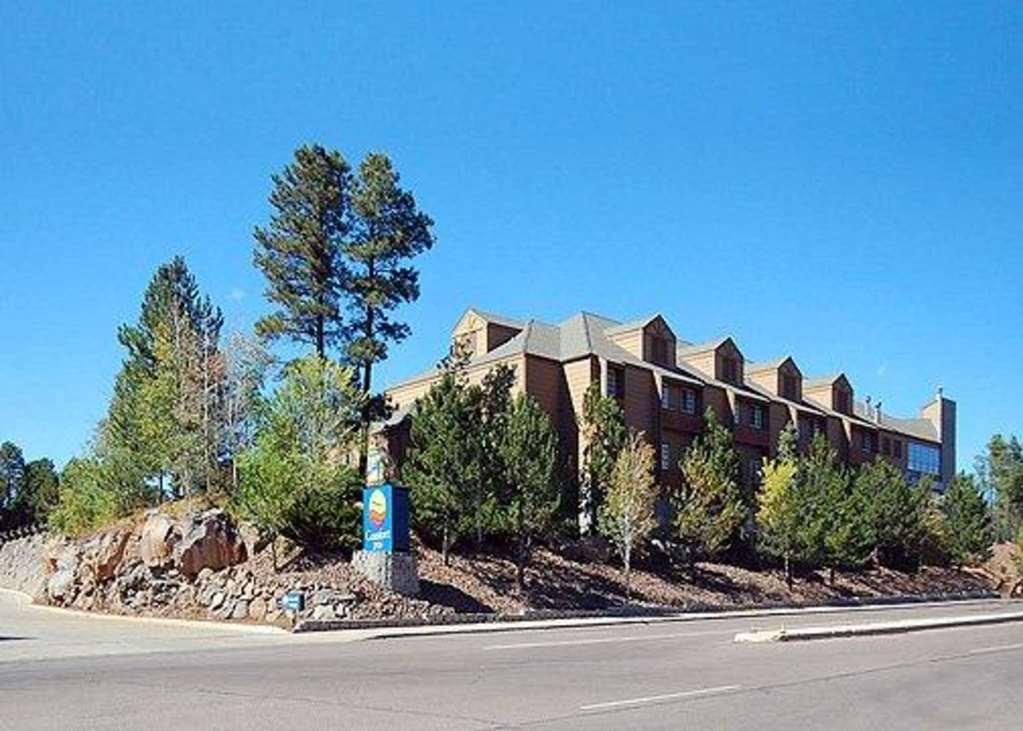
451	596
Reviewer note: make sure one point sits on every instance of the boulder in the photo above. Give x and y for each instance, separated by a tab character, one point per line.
252	537
208	541
257	609
156	544
103	553
241	610
324	612
61	586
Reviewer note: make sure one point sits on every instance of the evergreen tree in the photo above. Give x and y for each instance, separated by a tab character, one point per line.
627	515
894	513
166	410
443	462
300	251
1001	475
12	482
969	521
41	489
489	404
387	231
603	434
709	507
529	453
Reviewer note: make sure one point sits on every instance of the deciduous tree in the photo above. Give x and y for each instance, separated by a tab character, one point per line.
603	435
627	516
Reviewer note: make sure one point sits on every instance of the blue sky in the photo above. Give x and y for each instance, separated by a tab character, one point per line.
841	182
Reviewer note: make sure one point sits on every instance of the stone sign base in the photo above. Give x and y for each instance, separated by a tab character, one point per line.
393	571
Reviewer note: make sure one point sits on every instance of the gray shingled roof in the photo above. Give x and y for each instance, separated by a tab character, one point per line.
586	334
494	318
919	428
689	348
765	365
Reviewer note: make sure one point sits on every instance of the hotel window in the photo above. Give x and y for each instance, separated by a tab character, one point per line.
665	456
924	458
897	449
615	382
688	400
866	441
788	387
669	397
737	413
758	416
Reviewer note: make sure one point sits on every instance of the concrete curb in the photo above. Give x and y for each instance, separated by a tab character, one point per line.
460	624
876	628
26	601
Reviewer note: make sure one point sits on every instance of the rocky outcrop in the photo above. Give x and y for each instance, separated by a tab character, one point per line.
22	564
211	541
156	542
200	564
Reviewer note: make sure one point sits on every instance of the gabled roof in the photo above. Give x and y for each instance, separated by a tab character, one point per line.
855	418
685	348
771	365
491	317
634	324
827	380
918	428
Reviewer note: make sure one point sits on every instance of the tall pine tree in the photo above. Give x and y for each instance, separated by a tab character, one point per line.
300	251
387	232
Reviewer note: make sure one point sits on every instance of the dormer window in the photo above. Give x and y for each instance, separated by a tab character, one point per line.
659	350
730	370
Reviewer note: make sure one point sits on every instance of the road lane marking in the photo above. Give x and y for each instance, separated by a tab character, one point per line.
602	640
995	648
656	698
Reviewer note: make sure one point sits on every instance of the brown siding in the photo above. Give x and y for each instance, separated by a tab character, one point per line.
640	400
499	335
578	376
544	383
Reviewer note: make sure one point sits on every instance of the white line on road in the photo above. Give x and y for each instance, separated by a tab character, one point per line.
996	648
656	698
602	640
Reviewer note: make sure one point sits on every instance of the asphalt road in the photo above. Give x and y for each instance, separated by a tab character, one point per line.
678	675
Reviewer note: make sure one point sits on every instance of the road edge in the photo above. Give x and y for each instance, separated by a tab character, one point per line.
804	634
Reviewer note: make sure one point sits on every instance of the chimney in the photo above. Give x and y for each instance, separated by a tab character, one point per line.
877	413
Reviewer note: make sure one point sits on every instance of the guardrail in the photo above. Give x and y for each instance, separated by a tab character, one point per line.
22	531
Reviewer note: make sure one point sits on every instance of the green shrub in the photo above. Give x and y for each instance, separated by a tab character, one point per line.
294	481
84	502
